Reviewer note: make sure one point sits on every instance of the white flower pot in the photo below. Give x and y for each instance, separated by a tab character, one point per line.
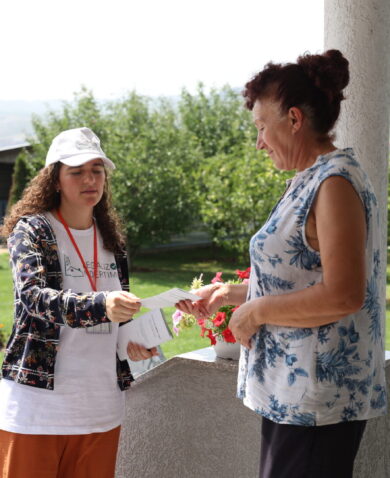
227	350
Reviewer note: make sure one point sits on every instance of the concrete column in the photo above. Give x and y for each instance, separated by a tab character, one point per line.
360	29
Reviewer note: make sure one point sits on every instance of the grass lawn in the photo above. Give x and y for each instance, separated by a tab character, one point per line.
155	273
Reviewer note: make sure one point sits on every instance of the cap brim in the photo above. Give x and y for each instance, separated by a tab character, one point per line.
80	159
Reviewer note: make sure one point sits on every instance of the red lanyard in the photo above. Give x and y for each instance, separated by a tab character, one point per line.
95	251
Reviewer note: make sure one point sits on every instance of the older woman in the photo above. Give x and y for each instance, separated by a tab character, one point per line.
309	320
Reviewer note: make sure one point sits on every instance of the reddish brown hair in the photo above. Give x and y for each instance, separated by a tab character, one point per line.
314	83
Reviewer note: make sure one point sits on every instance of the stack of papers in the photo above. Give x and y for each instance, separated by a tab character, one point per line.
151	329
148	330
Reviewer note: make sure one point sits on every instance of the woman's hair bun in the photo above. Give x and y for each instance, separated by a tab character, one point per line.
314	83
329	72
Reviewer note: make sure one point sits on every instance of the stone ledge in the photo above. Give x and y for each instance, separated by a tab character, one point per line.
183	420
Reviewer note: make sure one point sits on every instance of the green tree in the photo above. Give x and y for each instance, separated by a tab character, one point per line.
217	121
236	185
240	191
20	178
152	185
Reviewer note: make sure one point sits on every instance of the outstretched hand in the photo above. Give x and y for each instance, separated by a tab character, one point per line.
213	297
121	306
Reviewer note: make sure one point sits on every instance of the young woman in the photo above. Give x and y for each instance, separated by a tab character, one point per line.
61	397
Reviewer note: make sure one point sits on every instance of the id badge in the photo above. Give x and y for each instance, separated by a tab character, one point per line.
100	329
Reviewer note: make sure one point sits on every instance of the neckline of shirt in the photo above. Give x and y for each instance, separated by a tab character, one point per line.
75	232
321	157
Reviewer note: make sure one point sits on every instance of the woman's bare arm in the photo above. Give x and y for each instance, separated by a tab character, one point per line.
341	231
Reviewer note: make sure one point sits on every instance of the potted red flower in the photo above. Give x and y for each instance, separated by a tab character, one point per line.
215	327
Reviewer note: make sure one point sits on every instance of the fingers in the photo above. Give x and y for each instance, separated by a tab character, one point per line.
138	352
243	339
185	306
246	342
241	332
211	299
130	301
202	309
197	309
214	303
121	306
242	335
205	291
118	315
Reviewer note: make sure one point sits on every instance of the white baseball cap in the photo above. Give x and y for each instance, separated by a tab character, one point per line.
75	147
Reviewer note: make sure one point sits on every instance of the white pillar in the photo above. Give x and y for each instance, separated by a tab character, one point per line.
360	29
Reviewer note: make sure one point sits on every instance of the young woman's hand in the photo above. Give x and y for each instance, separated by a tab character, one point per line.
138	352
121	306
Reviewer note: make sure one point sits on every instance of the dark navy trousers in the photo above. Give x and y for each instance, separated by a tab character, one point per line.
291	451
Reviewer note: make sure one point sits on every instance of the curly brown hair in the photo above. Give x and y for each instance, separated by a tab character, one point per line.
41	195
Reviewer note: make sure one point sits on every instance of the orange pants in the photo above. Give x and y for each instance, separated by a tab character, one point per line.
58	456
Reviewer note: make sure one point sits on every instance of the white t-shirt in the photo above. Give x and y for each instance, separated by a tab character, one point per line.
86	396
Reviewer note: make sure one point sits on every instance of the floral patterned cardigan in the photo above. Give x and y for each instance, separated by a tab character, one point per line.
42	307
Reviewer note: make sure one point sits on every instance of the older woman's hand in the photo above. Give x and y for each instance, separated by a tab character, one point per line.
244	322
137	352
213	297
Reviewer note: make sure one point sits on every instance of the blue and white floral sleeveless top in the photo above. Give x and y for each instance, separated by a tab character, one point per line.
320	375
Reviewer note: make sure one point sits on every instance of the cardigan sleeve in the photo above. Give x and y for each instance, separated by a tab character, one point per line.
30	275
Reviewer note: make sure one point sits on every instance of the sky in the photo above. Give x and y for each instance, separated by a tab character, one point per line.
49	48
